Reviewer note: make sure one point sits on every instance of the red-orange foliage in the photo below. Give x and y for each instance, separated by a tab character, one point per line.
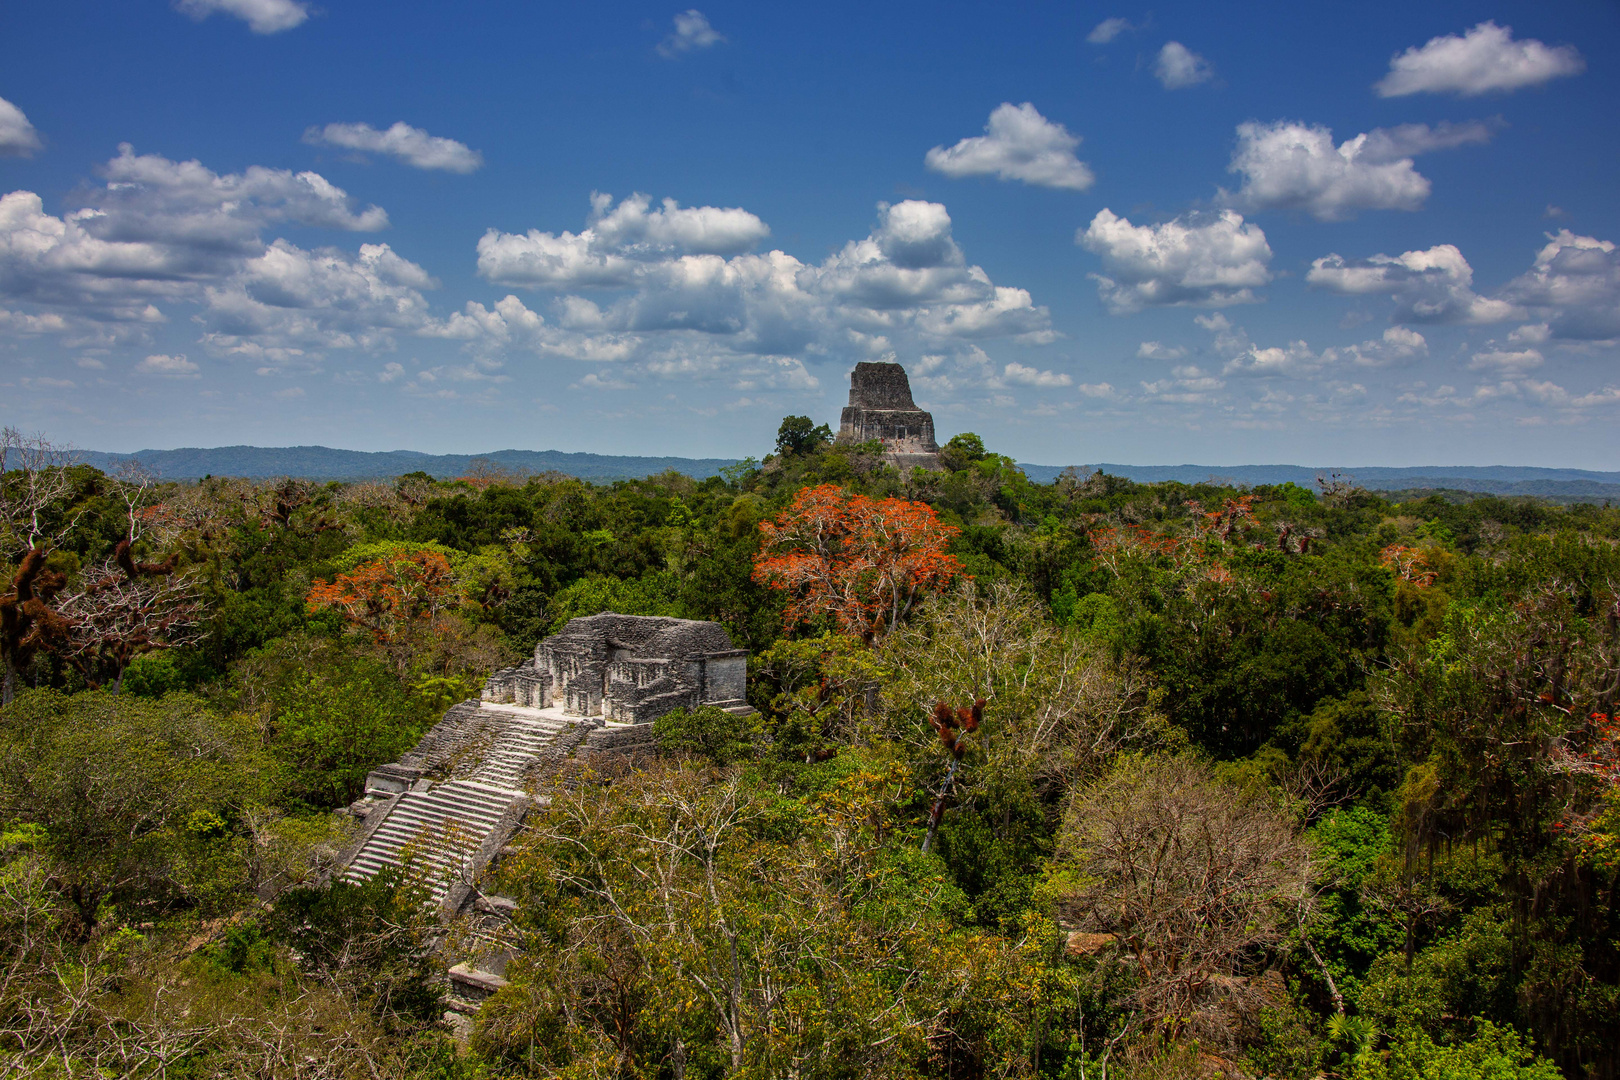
1410	564
862	562
390	595
1196	555
1234	514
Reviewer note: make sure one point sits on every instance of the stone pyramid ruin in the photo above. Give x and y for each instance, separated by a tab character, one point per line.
451	804
880	407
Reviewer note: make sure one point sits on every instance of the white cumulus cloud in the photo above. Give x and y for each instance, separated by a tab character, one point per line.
692	31
413	146
1555	396
17	322
1153	350
677	311
157	229
166	232
1399	345
1575	283
1293	166
1178	67
262	16
708	230
1484	59
1295	358
618	245
1024	375
169	367
17	136
545	260
1191	385
1408	140
1430	286
1019	144
1207	262
1506	361
292	299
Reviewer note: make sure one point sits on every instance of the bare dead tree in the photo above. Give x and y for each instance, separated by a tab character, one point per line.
122	606
1316	786
1191	877
35	517
117	615
1339	489
1062	704
36	480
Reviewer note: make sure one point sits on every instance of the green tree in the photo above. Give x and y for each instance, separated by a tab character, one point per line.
134	797
708	733
372	939
799	436
331	714
1494	1053
962	451
693	919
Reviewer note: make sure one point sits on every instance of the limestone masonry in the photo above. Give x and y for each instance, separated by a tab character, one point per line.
454	800
452	803
880	407
629	668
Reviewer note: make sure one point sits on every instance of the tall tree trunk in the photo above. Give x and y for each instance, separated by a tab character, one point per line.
9	688
938	809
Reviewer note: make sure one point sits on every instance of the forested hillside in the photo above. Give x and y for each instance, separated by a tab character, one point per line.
1265	782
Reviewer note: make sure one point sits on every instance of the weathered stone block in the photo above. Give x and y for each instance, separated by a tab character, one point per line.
880	407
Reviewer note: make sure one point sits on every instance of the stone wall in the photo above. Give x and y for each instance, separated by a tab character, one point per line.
627	668
881	407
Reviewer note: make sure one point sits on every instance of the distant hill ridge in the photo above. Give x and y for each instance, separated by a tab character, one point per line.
1557	485
326	463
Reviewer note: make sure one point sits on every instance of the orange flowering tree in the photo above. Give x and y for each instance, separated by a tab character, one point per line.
389	596
862	563
1410	564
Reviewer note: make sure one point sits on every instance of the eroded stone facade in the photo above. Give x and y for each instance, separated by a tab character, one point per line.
628	668
880	407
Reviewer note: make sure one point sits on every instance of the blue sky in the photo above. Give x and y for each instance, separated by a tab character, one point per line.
1374	234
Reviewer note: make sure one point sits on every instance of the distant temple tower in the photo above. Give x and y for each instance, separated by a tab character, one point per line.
880	407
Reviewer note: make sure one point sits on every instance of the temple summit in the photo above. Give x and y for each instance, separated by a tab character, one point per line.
880	407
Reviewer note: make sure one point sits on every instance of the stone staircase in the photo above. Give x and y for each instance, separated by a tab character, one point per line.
518	743
442	828
449	829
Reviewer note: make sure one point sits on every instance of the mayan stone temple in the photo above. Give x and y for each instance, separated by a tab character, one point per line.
880	407
628	668
452	803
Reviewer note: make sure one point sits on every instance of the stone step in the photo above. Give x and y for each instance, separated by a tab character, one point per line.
519	741
445	824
